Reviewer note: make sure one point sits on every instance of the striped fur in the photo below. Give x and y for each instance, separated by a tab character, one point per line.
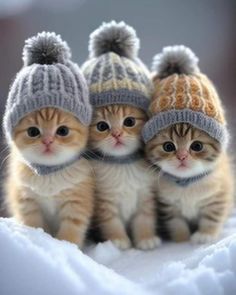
62	202
199	210
125	199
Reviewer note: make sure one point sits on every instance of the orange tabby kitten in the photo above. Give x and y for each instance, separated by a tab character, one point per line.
195	185
124	187
60	202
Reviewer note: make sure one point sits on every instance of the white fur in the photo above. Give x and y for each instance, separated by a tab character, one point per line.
49	207
34	154
107	146
186	199
127	185
203	238
149	244
122	244
195	167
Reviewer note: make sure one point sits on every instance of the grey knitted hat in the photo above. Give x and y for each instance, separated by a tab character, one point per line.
114	72
182	94
48	79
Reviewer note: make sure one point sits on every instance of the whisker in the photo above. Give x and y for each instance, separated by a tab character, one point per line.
4	160
5	149
152	168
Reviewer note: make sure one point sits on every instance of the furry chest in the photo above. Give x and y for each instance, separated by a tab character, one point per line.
127	201
53	184
188	207
125	185
185	201
49	207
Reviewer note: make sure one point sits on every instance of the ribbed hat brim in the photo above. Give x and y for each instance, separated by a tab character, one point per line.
120	96
197	119
26	106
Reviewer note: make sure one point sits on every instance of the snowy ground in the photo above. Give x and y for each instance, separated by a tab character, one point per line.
31	262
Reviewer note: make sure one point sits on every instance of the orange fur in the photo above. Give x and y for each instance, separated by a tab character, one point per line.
205	203
62	202
124	193
114	115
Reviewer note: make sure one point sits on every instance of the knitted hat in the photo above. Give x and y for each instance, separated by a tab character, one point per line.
182	94
48	79
114	73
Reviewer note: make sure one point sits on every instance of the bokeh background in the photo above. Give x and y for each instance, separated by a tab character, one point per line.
206	26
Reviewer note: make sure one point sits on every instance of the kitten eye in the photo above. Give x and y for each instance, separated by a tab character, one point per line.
102	126
196	146
129	121
62	131
33	131
169	147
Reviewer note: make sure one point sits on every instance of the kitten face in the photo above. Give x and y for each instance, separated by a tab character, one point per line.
183	150
116	129
50	137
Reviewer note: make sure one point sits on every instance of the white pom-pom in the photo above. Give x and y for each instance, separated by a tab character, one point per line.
175	59
114	37
45	48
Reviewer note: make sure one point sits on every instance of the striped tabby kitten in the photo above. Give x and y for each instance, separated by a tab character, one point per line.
125	202
195	183
60	202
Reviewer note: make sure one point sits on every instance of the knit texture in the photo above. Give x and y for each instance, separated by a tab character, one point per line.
114	73
48	79
185	96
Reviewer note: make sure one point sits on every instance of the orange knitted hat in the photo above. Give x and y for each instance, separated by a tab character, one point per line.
183	94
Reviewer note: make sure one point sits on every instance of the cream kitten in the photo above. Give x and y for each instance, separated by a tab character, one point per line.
125	199
60	202
195	183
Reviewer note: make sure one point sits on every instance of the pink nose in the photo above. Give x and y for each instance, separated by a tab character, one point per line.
116	134
182	155
47	140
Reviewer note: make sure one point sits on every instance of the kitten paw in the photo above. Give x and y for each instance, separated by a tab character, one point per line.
69	236
203	238
122	244
180	236
148	244
179	230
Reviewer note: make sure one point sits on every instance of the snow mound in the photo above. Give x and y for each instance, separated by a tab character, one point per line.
32	262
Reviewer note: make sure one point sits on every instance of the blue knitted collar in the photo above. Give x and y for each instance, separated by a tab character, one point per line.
128	159
45	170
184	181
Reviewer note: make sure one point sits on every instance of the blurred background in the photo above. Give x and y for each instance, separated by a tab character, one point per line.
206	26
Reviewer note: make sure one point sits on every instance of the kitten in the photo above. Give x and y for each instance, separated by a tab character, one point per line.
195	183
60	202
125	200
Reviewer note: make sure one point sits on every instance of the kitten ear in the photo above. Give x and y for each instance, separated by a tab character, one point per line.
114	37
177	59
45	48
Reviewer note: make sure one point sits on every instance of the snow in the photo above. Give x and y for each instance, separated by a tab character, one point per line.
32	262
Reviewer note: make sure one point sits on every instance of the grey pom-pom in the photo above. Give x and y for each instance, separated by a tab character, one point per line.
114	37
175	59
45	48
